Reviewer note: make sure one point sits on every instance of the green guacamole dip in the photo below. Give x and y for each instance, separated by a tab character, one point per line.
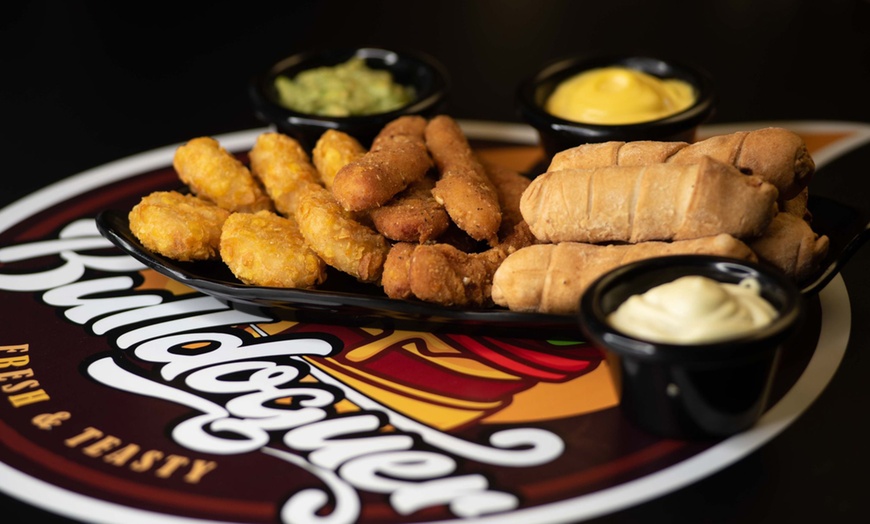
348	89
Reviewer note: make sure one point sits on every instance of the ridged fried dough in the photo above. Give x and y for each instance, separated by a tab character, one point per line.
649	202
790	244
550	278
777	155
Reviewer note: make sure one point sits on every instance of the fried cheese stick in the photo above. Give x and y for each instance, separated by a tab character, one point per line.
265	249
463	188
339	239
777	155
213	173
397	158
650	202
413	215
178	226
441	274
283	166
550	278
509	185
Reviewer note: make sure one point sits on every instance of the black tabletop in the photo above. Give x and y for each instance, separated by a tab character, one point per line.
84	85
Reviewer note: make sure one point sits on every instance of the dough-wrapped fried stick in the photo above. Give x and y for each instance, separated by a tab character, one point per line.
413	215
397	158
180	227
334	150
338	238
797	206
265	249
777	155
790	244
464	188
550	278
213	173
283	166
651	202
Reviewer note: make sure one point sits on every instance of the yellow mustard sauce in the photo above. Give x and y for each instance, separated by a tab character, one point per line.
694	309
618	95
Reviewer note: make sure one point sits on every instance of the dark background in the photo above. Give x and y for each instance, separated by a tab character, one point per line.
82	84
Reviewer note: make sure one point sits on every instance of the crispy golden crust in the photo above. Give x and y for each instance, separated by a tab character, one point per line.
334	150
181	227
340	240
509	185
413	215
442	274
397	267
282	166
464	188
213	173
397	158
265	249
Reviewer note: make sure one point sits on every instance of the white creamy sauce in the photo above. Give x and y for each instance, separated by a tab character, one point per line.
694	309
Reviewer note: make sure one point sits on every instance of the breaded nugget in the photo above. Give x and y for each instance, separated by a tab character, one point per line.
282	165
213	173
340	240
413	215
334	150
265	249
397	158
180	227
464	188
